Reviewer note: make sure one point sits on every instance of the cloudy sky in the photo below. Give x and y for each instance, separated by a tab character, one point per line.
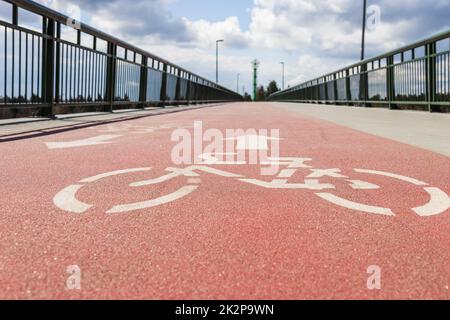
311	36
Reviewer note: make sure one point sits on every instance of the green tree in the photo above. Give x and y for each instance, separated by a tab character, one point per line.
261	94
247	97
272	88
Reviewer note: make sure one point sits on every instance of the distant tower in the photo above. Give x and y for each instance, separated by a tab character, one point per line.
255	65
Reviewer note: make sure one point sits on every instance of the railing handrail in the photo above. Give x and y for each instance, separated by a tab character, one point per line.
435	38
61	18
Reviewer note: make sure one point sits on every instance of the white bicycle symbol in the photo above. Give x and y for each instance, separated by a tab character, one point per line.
438	204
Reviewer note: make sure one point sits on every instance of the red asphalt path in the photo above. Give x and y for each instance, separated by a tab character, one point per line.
228	239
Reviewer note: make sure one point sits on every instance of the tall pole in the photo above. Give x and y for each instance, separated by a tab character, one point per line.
363	42
237	86
217	60
255	65
282	75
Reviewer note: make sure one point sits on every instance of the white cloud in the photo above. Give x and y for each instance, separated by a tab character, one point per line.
208	32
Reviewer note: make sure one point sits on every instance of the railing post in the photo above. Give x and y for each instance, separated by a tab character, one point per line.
188	89
335	90
111	75
363	86
390	81
164	85
348	88
178	86
317	92
143	82
57	63
431	74
15	14
191	90
366	86
199	93
196	90
209	93
48	65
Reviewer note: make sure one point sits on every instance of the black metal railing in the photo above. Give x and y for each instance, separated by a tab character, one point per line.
416	76
60	67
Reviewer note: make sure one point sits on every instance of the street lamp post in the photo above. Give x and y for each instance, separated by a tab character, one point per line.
237	86
217	60
363	78
363	42
282	75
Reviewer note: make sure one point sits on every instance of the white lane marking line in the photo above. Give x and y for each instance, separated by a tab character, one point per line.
320	173
103	139
292	163
354	205
282	184
194	181
287	173
175	173
439	203
65	200
182	192
113	173
149	182
393	175
363	185
187	172
216	172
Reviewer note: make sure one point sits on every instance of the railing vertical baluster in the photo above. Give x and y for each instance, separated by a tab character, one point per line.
363	88
13	64
143	81
188	88
163	96
15	21
19	91
67	74
196	89
335	90
48	65
26	68
431	74
111	75
348	92
5	86
57	63
390	81
178	86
